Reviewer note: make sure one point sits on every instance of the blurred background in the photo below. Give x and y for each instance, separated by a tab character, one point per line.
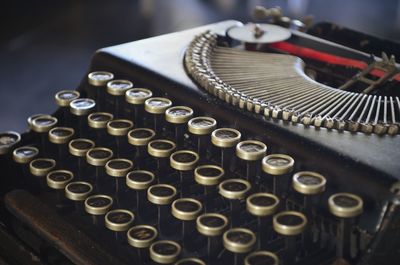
46	45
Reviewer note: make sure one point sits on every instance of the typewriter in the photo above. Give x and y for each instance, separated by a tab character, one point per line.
271	143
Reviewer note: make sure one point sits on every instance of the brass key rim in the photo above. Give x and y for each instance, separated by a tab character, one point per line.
176	119
140	141
161	200
79	152
251	156
99	124
78	111
258	210
234	195
183	166
137	185
98	161
59	185
277	169
5	144
208	230
40	128
157	109
41	172
191	260
57	139
165	259
346	212
116	90
289	230
225	142
113	172
117	227
34	116
186	216
307	189
78	196
63	102
98	210
236	247
261	253
201	130
25	159
140	243
99	82
207	180
160	153
115	131
138	100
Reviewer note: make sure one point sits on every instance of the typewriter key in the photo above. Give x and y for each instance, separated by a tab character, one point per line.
58	180
78	191
186	210
208	176
261	257
97	206
118	168
165	251
141	237
290	224
34	116
157	107
8	140
140	181
98	157
97	87
79	148
119	220
239	241
40	167
212	225
263	206
42	125
63	98
60	136
99	120
139	138
251	151
226	139
116	90
346	207
119	128
179	116
234	190
161	150
162	195
184	162
202	128
277	167
190	261
25	154
82	107
137	97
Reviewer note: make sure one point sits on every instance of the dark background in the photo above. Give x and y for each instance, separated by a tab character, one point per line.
46	46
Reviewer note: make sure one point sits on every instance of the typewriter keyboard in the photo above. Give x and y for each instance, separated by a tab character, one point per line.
158	182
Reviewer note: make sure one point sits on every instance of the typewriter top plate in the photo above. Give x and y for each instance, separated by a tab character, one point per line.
374	155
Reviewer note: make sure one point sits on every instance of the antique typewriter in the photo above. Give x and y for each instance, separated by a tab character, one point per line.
271	143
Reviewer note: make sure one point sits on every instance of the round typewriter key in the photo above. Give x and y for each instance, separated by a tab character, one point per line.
179	116
78	148
40	167
277	167
78	191
165	251
141	237
226	139
263	206
97	87
7	141
157	107
208	176
345	206
82	106
184	162
99	120
34	116
239	241
137	97
140	181
251	152
186	210
308	183
42	125
290	224
97	206
118	168
116	90
190	261
161	150
202	128
119	220
139	138
58	180
120	128
64	97
25	154
212	225
61	135
98	156
261	257
162	195
234	190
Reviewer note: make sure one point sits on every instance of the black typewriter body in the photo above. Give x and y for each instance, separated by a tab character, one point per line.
36	231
